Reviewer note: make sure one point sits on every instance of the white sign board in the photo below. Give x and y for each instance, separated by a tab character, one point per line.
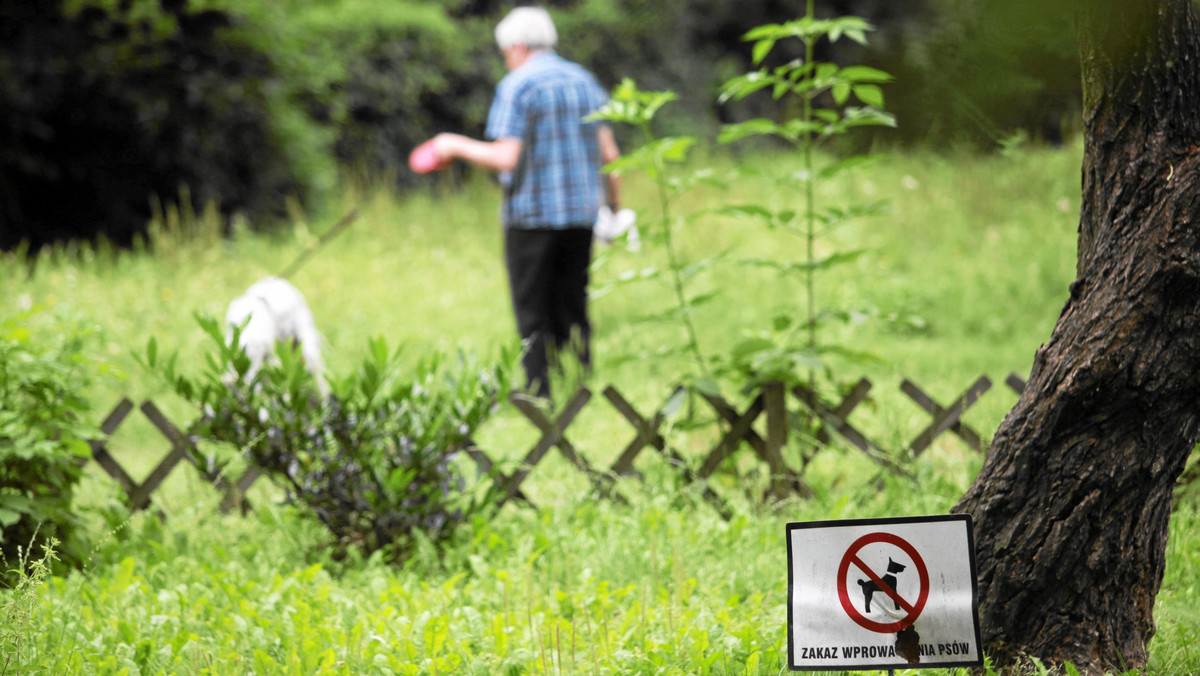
894	593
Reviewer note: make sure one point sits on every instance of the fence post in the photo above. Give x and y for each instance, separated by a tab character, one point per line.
775	405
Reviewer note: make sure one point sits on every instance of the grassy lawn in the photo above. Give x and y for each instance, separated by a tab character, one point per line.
963	276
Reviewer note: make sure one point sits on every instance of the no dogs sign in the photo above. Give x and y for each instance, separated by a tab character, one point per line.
882	594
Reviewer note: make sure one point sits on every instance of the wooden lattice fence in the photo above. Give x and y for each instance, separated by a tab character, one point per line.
737	427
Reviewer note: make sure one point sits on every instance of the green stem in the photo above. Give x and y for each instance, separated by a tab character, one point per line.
673	260
810	209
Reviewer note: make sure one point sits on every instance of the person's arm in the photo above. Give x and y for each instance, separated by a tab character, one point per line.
500	155
609	152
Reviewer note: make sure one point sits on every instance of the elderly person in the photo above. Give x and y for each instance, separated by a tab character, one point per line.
550	160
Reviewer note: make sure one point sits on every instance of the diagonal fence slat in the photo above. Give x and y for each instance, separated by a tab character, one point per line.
236	497
549	439
182	448
946	418
647	432
100	446
485	467
740	430
853	398
1016	383
140	497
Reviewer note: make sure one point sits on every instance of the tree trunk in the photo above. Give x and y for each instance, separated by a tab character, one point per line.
1072	505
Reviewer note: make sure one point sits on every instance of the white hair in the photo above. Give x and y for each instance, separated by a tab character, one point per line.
529	26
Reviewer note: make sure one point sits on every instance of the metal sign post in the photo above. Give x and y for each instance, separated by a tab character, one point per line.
882	594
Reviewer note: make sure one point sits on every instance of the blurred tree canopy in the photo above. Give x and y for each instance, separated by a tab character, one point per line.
110	107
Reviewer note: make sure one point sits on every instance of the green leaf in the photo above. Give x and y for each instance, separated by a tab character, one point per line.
78	447
674	403
705	386
672	149
705	176
675	149
826	115
378	350
841	166
833	216
742	86
836	259
861	74
794	129
853	356
864	117
743	349
702	298
826	73
756	127
858	36
400	478
869	94
8	517
762	48
841	93
753	210
629	105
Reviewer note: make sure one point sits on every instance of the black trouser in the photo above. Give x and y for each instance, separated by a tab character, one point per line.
548	277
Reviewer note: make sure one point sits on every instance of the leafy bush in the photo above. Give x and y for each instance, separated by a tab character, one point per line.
375	461
43	439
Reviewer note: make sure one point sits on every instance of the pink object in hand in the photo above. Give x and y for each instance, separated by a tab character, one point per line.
424	158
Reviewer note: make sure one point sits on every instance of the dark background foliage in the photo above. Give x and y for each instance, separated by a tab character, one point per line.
98	112
111	107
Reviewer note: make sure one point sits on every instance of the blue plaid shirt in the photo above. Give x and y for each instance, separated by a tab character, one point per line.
557	180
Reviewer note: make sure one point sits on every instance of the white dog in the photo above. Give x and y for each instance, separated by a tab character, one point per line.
273	310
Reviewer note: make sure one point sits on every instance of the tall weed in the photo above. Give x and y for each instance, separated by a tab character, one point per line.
18	614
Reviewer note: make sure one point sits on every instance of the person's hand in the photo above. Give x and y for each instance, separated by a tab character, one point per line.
431	156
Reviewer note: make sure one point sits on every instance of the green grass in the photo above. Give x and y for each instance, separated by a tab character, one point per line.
980	250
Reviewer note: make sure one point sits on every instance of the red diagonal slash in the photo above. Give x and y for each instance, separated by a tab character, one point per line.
913	610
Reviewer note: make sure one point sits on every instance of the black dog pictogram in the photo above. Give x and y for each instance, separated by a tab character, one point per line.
869	587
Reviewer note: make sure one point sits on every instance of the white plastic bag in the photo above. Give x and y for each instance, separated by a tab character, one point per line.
611	225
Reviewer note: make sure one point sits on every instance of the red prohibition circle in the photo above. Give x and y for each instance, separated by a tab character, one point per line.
913	611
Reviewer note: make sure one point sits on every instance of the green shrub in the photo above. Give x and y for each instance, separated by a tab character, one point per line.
43	439
375	461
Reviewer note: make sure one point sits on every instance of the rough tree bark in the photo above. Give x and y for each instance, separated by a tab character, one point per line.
1072	505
